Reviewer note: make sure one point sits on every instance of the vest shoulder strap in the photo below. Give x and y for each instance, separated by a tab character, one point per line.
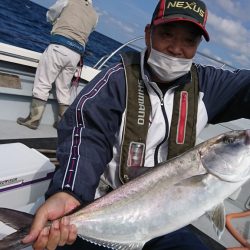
184	118
136	120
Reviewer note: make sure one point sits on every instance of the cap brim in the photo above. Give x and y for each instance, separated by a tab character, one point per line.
177	19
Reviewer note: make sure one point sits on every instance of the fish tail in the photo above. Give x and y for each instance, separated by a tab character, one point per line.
19	221
14	241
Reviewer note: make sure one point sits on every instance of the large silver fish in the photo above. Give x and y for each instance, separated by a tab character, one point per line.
166	198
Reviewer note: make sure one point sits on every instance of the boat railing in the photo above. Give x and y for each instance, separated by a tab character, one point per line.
199	58
99	63
18	55
102	62
216	61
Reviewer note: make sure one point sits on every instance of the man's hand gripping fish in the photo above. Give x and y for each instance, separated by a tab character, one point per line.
157	202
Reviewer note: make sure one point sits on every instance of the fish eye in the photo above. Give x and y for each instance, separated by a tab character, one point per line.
228	140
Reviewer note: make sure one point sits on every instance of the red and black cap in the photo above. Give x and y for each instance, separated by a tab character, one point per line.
194	11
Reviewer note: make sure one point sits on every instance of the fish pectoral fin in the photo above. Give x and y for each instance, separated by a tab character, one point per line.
114	245
193	180
218	217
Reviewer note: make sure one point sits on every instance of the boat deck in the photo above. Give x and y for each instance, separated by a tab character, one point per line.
12	130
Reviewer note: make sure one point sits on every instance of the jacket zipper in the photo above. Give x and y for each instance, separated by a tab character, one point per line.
167	128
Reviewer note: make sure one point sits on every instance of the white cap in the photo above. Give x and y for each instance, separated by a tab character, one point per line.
90	1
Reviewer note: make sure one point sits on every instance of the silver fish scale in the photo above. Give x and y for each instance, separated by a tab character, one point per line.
131	209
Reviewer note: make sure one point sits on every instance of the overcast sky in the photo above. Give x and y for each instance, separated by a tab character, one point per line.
228	25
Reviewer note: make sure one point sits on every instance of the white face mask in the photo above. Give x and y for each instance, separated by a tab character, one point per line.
168	68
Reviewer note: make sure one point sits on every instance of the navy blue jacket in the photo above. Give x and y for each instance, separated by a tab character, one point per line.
89	128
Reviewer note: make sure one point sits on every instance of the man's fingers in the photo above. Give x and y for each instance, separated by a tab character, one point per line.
64	228
54	236
54	207
72	235
38	224
42	239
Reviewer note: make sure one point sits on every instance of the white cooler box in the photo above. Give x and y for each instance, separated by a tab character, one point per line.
25	175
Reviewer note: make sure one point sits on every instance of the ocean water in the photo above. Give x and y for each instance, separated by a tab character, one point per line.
23	23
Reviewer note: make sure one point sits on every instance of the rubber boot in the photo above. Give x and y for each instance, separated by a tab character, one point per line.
61	110
35	115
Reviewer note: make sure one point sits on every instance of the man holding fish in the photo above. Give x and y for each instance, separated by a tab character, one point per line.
145	110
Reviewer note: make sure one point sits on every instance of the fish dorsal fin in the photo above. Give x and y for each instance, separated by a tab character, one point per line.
15	219
218	217
115	245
